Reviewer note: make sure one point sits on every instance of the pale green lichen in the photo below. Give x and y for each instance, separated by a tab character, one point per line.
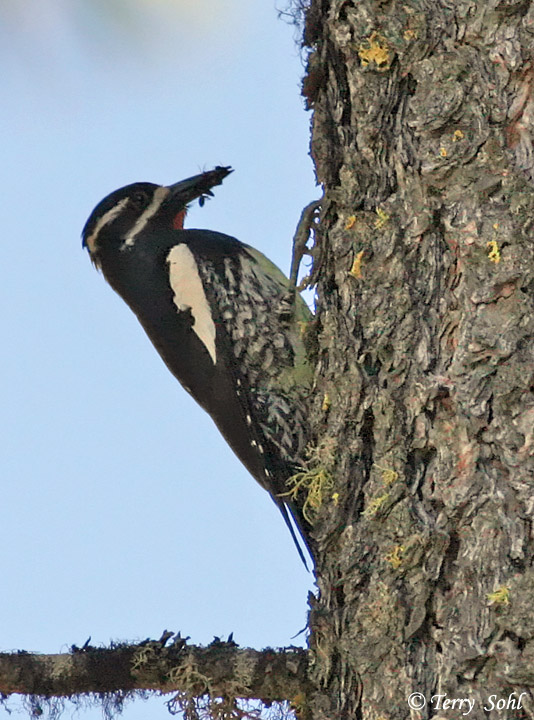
501	596
375	505
375	49
394	556
316	484
494	253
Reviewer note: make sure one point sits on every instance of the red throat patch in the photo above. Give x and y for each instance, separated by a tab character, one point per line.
178	221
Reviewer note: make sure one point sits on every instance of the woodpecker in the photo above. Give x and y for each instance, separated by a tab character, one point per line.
224	319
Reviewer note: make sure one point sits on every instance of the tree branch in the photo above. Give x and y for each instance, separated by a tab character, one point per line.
221	669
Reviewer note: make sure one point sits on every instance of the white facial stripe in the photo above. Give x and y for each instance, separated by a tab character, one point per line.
159	196
189	293
106	218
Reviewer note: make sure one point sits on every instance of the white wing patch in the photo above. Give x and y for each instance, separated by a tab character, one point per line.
189	293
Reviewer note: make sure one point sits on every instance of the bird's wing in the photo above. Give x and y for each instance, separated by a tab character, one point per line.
263	353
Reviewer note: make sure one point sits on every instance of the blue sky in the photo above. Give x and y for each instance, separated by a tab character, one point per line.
123	513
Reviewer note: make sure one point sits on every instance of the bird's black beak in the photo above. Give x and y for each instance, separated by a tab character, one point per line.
198	186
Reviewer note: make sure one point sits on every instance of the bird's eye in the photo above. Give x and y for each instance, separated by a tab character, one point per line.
139	197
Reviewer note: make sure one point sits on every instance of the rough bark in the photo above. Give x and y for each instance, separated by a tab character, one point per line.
422	138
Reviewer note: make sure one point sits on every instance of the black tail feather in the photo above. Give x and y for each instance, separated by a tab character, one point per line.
290	517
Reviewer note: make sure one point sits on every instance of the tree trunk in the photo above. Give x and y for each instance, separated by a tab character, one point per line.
425	258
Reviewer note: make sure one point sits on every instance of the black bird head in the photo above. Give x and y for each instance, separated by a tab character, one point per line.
122	215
